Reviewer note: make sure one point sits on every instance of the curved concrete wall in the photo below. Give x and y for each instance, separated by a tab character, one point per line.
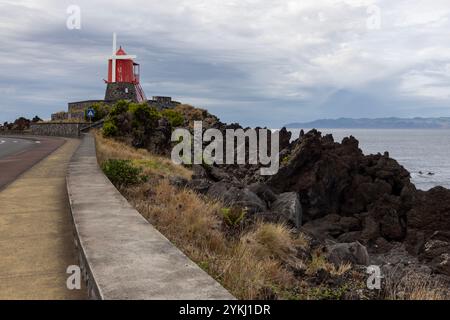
123	256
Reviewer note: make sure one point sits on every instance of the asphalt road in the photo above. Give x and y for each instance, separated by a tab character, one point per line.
10	146
17	155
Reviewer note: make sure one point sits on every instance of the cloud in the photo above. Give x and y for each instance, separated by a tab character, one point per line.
260	62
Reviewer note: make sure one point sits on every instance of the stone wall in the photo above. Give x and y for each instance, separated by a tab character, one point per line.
121	91
59	129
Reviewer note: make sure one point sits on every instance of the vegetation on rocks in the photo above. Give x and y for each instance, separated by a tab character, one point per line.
144	126
307	232
175	118
253	260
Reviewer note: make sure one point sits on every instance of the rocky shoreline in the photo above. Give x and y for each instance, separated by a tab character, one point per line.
358	209
337	195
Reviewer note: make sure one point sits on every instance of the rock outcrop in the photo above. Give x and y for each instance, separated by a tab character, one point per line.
287	206
354	253
336	178
332	191
233	195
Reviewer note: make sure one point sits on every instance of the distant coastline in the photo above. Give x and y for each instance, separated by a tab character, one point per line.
377	123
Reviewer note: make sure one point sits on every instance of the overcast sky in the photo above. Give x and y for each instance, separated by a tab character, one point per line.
255	62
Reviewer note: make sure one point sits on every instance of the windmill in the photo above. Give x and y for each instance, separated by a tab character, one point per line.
123	76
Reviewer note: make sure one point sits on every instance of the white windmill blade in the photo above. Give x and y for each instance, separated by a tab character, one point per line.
123	57
113	58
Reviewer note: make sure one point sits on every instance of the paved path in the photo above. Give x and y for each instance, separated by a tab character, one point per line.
127	257
36	241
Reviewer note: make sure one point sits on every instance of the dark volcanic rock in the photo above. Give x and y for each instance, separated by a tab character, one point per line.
179	182
354	253
285	138
339	193
219	174
325	227
233	195
263	191
199	185
337	178
431	211
346	229
199	172
437	254
441	264
287	205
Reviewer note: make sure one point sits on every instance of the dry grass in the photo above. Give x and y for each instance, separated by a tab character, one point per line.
270	240
192	114
257	262
194	225
413	286
151	164
319	262
181	215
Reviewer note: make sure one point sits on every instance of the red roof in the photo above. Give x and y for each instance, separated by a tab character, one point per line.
121	52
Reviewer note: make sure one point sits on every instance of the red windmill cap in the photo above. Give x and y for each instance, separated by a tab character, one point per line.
121	52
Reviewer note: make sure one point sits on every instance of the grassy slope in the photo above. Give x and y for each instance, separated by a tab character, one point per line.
256	262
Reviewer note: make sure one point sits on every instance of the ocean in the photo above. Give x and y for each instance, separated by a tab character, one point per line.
420	151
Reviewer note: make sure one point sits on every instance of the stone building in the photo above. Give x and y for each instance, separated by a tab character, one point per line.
123	84
162	102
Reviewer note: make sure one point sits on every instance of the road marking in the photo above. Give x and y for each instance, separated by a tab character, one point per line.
15	141
38	142
3	141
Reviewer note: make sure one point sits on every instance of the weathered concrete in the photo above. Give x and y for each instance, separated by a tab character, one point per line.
124	256
36	232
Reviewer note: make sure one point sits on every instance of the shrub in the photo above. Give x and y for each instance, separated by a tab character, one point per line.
101	110
119	107
109	129
36	119
120	117
122	172
175	118
137	119
143	115
233	216
144	121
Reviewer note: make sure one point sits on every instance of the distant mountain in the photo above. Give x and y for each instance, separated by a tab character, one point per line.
379	123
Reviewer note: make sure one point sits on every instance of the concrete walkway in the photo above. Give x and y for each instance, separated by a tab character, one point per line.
36	233
127	257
